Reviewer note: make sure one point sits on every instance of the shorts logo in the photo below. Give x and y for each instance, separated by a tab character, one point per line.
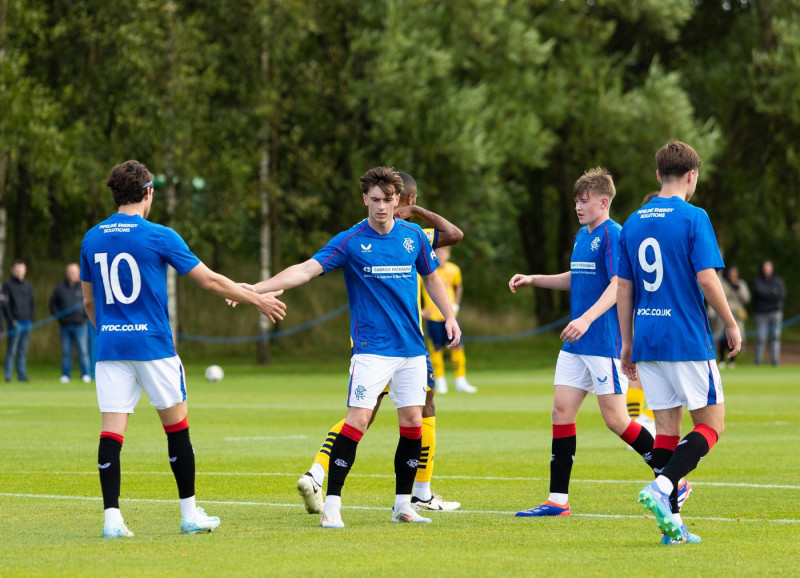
413	463
408	245
341	463
173	460
595	243
104	466
602	381
360	392
366	248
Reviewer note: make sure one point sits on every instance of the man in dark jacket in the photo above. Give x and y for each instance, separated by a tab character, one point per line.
769	293
66	303
19	313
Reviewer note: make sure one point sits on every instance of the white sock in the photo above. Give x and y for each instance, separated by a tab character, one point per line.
317	472
332	503
461	381
113	517
678	519
560	499
401	500
422	491
188	508
664	484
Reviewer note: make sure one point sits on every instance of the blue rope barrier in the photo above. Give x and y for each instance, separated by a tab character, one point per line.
512	336
46	320
274	335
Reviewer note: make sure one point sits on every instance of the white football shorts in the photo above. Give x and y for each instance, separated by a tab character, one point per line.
592	373
369	375
120	383
692	384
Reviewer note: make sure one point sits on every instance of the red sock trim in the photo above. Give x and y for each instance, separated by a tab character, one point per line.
412	433
564	431
666	442
112	435
183	424
707	432
631	432
349	431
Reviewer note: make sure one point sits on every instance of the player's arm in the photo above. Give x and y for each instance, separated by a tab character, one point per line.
268	304
712	289
625	313
560	282
88	300
449	234
578	327
438	293
290	277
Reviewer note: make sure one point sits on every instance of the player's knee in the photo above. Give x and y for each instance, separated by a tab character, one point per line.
617	424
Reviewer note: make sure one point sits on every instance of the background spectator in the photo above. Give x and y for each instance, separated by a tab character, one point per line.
66	303
19	313
769	293
738	295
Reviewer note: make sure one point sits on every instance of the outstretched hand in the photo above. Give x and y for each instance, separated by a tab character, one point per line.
247	286
271	307
518	281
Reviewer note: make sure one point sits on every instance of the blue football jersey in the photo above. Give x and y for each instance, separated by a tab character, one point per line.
664	245
125	259
593	263
380	273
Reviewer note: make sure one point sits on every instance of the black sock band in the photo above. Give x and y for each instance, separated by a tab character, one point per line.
343	455
687	455
181	460
643	445
406	460
561	463
108	464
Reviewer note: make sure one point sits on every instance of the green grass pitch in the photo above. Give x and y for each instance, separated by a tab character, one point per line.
256	431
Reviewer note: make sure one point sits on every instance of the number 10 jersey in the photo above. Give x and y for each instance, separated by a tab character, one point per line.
125	259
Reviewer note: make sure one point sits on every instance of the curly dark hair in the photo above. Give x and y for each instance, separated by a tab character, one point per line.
675	159
127	181
388	179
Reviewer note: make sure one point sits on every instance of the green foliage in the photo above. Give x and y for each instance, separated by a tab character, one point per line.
496	107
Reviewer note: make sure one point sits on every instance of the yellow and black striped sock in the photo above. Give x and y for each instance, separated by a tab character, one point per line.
425	467
323	456
459	360
635	401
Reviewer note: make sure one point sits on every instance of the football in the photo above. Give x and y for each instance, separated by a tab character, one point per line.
214	373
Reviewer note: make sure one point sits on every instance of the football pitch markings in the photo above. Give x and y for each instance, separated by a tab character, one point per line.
443	477
378	509
486	478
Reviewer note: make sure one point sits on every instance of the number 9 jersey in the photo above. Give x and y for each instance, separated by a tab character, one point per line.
664	245
125	259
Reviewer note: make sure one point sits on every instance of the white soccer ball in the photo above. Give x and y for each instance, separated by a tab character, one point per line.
214	373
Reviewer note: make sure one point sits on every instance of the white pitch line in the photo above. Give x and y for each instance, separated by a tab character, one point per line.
386	476
262	438
380	509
